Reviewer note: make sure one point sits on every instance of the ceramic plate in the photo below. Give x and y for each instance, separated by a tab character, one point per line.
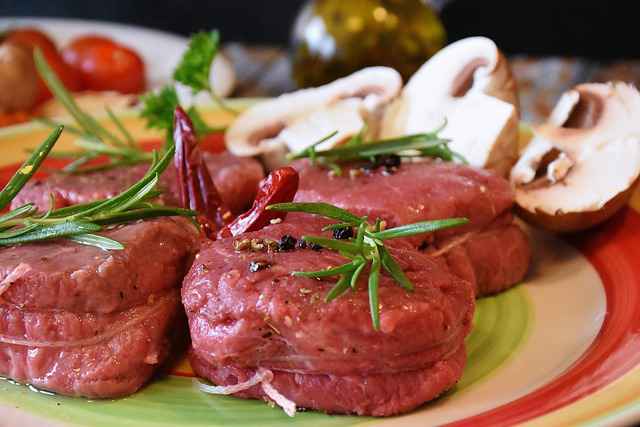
563	347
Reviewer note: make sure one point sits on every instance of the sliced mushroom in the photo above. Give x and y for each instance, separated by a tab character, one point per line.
582	165
468	83
296	120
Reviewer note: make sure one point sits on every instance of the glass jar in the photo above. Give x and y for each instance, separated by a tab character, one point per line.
333	38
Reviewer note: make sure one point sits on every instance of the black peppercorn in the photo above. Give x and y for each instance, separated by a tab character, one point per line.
301	244
389	160
287	243
390	163
342	233
255	266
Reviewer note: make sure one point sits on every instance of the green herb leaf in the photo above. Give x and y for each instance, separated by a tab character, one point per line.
123	130
195	66
339	289
322	209
15	232
394	269
333	271
68	211
28	168
142	213
68	128
54	231
417	145
388	146
22	210
77	163
158	108
356	275
419	228
337	226
374	305
137	196
101	242
336	245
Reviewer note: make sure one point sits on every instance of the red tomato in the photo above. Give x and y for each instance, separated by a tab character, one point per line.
77	50
106	65
213	142
30	37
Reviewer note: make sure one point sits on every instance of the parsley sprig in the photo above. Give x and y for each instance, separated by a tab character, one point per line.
158	108
367	248
195	66
78	223
94	139
357	149
193	71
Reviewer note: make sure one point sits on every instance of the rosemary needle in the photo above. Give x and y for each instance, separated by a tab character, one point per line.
28	168
417	145
78	223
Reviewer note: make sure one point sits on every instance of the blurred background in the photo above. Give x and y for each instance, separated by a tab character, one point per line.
598	29
276	46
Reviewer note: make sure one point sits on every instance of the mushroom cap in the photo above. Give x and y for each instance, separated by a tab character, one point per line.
584	160
468	83
18	78
296	120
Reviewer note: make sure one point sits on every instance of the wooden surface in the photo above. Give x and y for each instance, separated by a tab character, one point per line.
266	71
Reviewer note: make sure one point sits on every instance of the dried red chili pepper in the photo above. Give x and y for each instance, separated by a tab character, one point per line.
279	186
195	186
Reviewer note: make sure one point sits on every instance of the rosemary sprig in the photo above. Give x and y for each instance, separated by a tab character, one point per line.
417	145
95	139
366	248
78	223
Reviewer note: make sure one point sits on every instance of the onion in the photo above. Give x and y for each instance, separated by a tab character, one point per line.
257	378
262	377
139	316
288	406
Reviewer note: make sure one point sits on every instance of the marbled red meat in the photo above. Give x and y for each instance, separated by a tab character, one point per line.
375	394
435	190
236	179
494	258
270	319
414	192
81	321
